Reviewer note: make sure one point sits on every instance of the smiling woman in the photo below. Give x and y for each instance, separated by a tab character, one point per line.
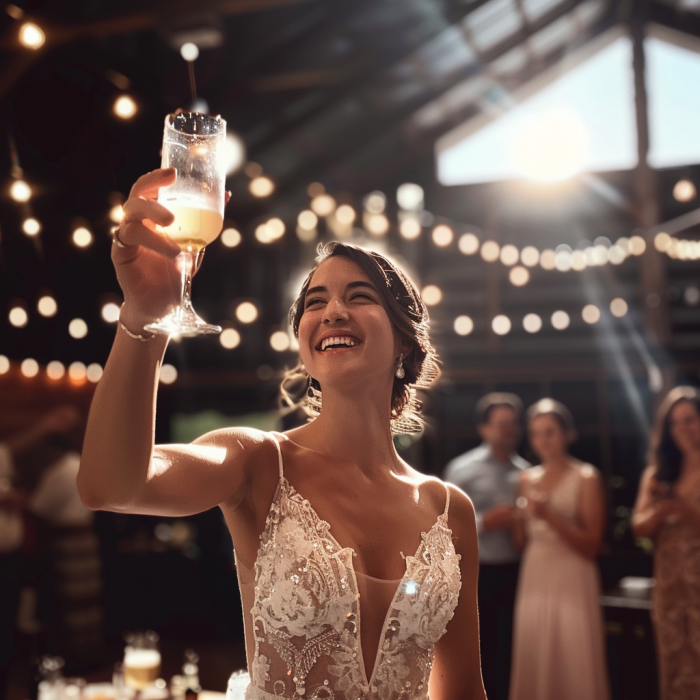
364	348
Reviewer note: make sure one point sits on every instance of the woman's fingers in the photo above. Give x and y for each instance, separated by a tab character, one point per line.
138	209
148	185
134	233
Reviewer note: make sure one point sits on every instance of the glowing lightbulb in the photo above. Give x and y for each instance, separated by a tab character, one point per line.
246	312
20	191
261	186
463	325
31	36
230	338
125	107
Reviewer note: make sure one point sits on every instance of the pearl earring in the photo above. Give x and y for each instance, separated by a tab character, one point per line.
400	371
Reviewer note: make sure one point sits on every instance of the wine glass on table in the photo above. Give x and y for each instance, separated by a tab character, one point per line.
193	144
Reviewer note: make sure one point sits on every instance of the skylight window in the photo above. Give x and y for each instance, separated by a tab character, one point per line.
492	23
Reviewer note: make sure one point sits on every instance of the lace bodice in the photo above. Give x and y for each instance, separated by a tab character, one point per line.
563	500
306	611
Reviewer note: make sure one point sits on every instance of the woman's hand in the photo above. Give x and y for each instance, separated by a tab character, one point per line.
537	504
143	258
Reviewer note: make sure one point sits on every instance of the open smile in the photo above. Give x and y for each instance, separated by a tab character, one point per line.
337	343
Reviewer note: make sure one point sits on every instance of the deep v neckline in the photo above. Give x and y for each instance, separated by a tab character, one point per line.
401	582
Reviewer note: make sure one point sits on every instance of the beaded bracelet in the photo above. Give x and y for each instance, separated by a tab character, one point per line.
135	336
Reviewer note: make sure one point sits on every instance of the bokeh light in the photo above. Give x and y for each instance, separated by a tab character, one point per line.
29	367
345	214
234	153
77	328
4	364
18	317
230	338
94	372
110	312
261	186
246	312
490	251
31	36
55	370
590	313
532	323
410	228
377	224
560	320
279	341
468	243
231	237
684	191
77	371
31	226
509	255
323	205
47	306
529	256
125	107
463	325
116	213
20	191
662	241
519	276
409	196
637	245
82	237
307	220
618	307
548	259
501	324
443	235
375	202
168	374
189	51
431	295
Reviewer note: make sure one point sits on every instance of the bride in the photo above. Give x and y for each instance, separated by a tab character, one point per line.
358	573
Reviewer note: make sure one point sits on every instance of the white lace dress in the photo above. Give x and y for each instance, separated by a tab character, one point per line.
302	611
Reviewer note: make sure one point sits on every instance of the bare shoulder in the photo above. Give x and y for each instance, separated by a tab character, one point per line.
244	446
589	474
532	474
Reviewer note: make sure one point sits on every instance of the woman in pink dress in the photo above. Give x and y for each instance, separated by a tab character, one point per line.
558	647
668	511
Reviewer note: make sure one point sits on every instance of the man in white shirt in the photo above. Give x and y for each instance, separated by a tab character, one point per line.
489	475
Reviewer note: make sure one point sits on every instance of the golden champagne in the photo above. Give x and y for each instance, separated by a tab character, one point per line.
141	667
194	227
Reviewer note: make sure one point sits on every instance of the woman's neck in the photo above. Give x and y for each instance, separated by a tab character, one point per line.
557	463
356	427
690	463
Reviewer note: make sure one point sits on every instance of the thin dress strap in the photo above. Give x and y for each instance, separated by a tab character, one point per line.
279	454
447	500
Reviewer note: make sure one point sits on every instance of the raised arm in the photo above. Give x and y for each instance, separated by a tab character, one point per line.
456	673
121	469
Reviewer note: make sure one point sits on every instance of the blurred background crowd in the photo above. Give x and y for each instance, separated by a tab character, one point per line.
532	164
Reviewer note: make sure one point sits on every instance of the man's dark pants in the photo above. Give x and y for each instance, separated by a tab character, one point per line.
497	587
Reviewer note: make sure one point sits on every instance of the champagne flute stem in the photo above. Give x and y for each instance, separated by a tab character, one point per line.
185	263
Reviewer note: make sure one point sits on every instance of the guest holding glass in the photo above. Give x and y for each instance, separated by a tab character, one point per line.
668	511
558	649
489	474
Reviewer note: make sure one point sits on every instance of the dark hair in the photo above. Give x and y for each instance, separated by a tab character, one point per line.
486	404
409	319
556	409
666	454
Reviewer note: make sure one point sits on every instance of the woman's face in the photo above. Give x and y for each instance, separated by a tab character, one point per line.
684	424
345	335
547	437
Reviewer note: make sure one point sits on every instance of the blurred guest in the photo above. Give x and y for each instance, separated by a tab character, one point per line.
668	511
12	501
489	474
558	649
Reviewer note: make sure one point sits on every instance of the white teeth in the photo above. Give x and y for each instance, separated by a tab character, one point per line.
338	340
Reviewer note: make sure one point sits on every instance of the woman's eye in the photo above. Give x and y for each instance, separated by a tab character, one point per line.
362	296
311	302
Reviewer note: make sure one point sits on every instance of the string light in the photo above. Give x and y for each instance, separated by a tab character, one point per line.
637	245
590	313
529	256
20	191
662	242
55	370
431	295
261	186
548	259
231	237
77	328
125	107
168	374
230	338
116	213
578	261
468	244
233	153
560	320
409	196
501	324
532	323
519	276
77	371
490	251
246	312
463	325
94	372
47	306
443	235
684	191
189	51
314	189
307	220
377	224
345	214
509	255
110	312
82	237
31	226
31	36
618	307
4	364
18	317
279	341
410	228
276	228
375	202
263	234
29	367
323	205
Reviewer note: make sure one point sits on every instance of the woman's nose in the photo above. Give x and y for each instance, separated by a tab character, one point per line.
335	311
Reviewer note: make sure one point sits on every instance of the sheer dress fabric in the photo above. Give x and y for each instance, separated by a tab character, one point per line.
302	610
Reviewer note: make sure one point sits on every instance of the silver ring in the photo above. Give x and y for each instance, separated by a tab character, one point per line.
116	240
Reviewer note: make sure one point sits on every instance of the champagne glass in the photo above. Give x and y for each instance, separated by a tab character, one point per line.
193	144
141	666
